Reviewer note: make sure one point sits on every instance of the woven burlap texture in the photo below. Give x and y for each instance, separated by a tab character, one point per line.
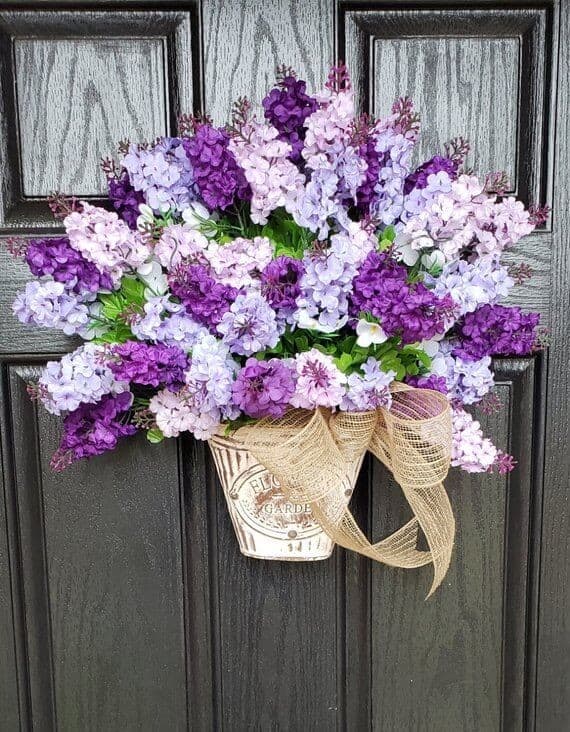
310	453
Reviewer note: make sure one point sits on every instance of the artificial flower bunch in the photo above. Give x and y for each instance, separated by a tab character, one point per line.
293	259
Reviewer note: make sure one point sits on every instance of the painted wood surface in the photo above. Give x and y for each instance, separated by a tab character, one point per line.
124	601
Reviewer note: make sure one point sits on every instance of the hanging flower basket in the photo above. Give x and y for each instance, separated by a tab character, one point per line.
268	523
294	289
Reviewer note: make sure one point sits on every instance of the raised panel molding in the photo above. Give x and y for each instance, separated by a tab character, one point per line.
111	90
467	85
464	658
496	62
96	576
106	75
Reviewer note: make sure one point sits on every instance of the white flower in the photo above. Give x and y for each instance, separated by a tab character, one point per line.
152	275
304	320
146	217
408	245
369	333
197	216
435	259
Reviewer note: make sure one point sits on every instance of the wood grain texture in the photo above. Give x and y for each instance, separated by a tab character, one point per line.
444	658
466	86
111	89
74	82
244	42
277	638
372	32
553	663
102	557
9	712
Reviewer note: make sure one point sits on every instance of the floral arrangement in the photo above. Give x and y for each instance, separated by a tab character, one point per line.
295	259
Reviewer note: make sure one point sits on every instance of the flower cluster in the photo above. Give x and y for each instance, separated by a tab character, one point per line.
294	260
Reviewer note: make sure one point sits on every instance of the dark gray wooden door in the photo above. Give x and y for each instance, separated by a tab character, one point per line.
124	601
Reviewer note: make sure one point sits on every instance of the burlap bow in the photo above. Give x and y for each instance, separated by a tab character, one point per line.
310	453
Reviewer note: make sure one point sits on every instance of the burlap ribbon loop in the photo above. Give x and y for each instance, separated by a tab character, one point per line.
310	453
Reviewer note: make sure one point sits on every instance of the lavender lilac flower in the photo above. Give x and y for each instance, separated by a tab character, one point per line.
264	388
93	429
291	260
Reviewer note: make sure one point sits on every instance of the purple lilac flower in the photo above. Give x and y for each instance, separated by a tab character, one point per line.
287	108
125	199
325	289
56	257
471	284
178	244
470	451
239	262
149	365
394	150
319	382
368	390
205	400
204	299
374	162
437	164
164	321
92	429
249	326
316	204
212	369
433	381
50	305
106	240
216	173
496	330
409	311
264	388
280	285
274	180
80	377
163	173
469	381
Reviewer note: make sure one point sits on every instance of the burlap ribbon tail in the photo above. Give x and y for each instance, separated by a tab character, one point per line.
311	452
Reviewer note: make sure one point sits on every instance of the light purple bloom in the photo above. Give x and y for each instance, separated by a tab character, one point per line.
368	390
50	305
81	377
249	326
163	173
319	382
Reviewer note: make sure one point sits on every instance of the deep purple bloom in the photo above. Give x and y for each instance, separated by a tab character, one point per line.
149	364
92	429
125	199
205	299
56	257
264	388
286	108
216	173
437	164
374	160
280	283
434	382
496	330
407	310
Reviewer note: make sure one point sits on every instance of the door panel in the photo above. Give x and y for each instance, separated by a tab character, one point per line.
125	602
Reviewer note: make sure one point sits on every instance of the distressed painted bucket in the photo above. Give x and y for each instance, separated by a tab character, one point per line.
267	524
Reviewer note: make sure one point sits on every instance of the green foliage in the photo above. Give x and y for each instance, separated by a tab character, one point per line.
386	238
154	436
289	238
114	306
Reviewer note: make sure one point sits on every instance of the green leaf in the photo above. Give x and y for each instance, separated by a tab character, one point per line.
132	290
155	435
